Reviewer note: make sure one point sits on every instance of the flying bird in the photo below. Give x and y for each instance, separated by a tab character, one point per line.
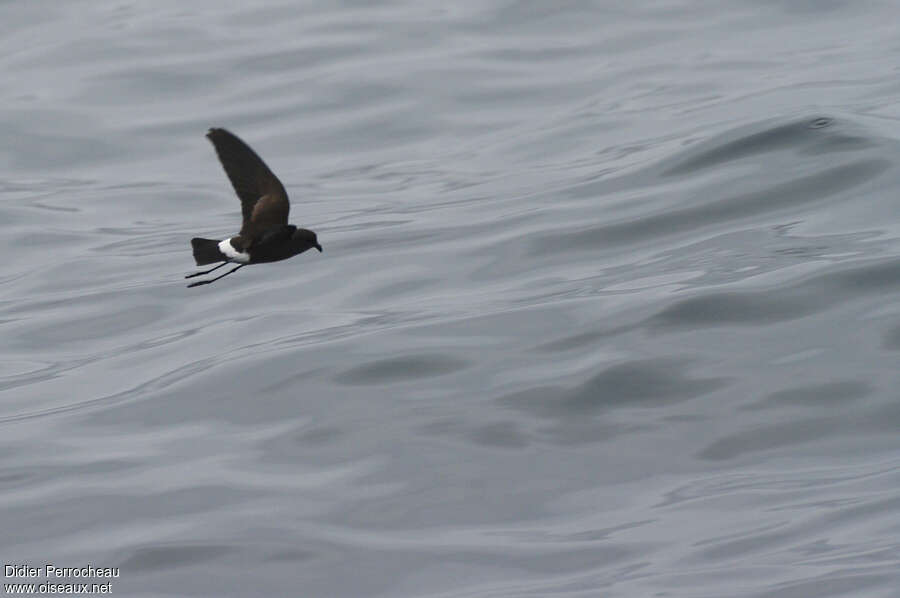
265	234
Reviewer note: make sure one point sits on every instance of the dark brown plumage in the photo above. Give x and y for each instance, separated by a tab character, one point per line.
265	234
264	202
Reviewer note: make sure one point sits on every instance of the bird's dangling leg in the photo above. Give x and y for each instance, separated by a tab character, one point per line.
211	280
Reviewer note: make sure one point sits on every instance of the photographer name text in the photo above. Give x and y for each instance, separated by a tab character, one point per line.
53	572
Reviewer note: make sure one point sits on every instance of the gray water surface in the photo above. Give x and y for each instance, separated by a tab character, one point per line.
609	303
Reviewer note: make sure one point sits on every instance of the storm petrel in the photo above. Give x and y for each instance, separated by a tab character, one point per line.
265	234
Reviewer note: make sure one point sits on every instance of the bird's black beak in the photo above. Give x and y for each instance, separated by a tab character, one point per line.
319	247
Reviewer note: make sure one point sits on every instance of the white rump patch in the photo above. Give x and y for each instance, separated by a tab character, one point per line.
233	254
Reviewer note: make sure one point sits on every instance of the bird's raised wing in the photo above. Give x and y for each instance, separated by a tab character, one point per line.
264	202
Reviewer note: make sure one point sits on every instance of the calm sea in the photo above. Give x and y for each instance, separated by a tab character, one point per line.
609	304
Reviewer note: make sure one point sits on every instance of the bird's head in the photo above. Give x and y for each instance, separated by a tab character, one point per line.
306	239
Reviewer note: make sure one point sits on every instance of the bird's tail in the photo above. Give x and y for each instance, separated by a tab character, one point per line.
206	251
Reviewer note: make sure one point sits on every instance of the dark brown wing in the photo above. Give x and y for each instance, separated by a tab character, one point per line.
270	212
264	202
